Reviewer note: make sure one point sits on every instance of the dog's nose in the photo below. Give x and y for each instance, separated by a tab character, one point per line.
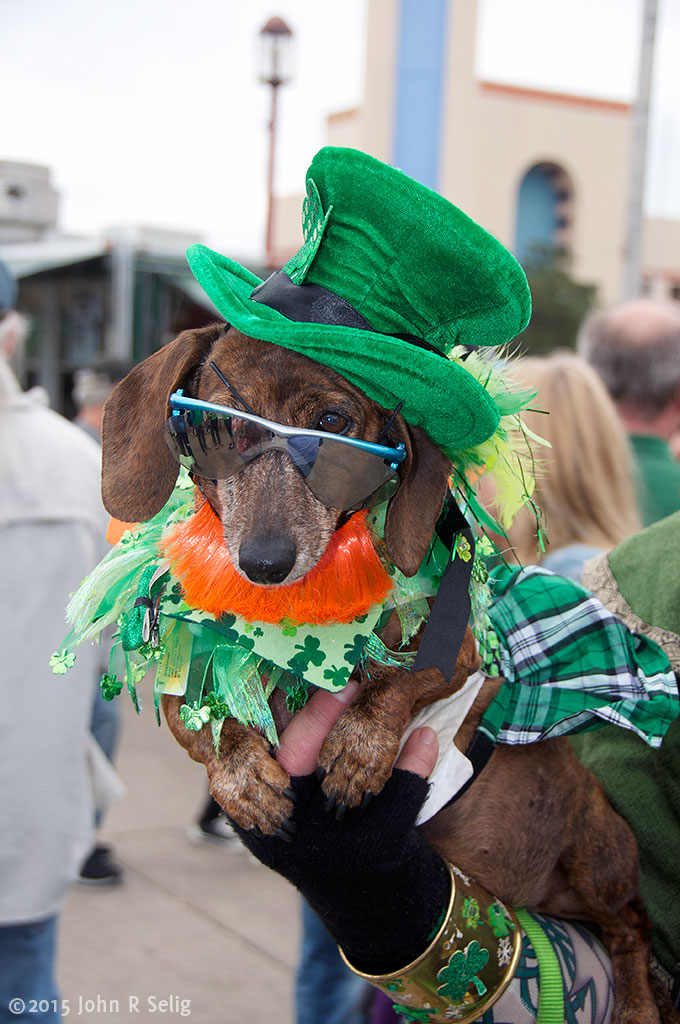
267	559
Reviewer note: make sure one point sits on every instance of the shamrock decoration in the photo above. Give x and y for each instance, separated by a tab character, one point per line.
485	546
193	716
463	549
216	705
313	226
296	695
498	921
61	661
110	686
461	972
175	594
336	676
310	651
148	651
288	628
480	573
411	1013
471	913
353	650
246	642
226	623
137	672
297	665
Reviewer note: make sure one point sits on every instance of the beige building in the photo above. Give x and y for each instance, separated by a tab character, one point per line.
533	167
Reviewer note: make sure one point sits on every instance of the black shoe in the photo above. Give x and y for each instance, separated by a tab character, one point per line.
100	868
217	828
212	824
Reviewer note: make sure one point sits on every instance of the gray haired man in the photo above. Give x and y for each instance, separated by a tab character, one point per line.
635	347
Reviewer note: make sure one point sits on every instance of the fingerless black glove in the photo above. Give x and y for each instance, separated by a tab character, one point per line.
372	878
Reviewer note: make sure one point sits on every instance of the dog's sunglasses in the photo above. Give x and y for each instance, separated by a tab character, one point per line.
217	441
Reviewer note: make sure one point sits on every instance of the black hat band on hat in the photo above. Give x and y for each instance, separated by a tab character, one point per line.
312	303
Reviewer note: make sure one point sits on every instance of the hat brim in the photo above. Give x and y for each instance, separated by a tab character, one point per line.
438	395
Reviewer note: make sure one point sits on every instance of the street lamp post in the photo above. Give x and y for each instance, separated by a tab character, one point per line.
632	263
275	40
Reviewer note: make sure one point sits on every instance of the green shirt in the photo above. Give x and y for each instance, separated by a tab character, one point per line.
658	477
640	580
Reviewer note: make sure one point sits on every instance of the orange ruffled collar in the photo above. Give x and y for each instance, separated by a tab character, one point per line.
346	582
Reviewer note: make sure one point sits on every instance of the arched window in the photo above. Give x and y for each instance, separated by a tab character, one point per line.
545	206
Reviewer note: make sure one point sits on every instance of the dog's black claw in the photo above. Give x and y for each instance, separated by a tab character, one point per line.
320	772
330	803
340	812
289	826
282	834
366	799
290	794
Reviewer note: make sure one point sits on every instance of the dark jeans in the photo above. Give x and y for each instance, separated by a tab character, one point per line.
27	960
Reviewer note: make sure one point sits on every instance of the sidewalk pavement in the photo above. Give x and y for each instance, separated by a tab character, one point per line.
196	930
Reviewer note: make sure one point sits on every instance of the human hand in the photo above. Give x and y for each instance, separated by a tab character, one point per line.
302	740
369	874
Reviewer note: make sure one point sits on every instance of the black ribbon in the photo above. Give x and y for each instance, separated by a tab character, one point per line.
445	629
443	634
314	304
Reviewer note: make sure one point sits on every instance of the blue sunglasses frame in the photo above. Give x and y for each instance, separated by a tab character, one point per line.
179	403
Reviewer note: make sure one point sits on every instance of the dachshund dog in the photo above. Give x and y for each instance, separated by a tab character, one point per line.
550	841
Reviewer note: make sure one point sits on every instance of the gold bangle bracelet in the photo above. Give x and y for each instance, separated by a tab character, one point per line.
467	966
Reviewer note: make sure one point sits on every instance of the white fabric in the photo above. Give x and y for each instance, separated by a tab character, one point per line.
52	527
453	768
106	785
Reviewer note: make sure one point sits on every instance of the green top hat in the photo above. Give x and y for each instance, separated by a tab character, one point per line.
390	277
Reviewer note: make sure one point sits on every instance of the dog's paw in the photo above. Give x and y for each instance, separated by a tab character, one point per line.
357	758
252	787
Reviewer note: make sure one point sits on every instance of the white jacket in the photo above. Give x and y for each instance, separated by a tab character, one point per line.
52	527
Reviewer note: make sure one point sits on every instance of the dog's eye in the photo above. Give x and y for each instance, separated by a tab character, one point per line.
332	422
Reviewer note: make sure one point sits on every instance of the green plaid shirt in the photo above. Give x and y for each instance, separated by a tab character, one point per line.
570	665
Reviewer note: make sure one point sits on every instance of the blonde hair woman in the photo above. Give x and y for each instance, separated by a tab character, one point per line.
584	481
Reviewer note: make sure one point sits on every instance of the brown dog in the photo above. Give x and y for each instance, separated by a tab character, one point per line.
550	841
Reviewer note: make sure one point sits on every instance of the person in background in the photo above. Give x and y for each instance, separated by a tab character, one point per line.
674	445
585	489
639	581
91	387
52	529
585	500
635	348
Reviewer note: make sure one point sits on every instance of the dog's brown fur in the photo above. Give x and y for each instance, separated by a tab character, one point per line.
536	828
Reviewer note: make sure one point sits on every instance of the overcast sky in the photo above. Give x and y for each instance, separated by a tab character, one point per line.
149	111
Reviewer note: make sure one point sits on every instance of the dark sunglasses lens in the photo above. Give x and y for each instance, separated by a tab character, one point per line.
214	447
341	476
346	477
304	452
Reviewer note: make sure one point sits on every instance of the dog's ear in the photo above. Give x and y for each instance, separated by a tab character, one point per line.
413	511
138	469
